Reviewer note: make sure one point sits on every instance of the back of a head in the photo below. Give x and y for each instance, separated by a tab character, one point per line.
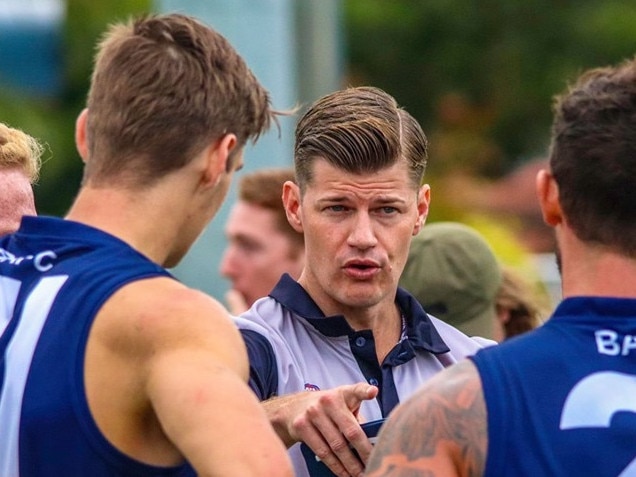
163	88
359	130
454	274
264	188
593	156
19	168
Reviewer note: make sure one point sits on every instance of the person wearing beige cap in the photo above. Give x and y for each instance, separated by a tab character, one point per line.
454	274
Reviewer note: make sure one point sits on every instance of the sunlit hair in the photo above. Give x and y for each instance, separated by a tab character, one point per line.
264	188
164	87
593	156
18	149
359	130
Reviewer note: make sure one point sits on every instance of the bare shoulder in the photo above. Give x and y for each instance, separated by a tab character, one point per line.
176	369
440	431
161	312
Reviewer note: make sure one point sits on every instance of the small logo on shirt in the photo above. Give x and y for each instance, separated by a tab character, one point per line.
41	261
311	387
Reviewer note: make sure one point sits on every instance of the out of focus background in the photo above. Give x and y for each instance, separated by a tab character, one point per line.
480	77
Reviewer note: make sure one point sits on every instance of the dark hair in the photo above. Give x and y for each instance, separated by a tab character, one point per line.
163	88
265	188
593	156
359	130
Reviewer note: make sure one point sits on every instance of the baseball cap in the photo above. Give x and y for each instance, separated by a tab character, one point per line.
454	274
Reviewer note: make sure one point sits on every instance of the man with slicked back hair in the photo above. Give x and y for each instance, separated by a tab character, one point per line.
343	344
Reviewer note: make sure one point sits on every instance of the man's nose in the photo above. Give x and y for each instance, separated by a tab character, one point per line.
362	234
226	267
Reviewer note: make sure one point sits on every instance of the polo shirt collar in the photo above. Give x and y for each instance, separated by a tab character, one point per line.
420	330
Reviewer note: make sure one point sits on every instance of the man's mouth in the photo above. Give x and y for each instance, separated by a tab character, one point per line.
361	269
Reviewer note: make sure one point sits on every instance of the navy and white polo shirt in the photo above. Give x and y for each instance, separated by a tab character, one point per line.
293	346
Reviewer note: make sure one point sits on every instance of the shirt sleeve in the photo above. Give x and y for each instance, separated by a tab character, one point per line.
263	369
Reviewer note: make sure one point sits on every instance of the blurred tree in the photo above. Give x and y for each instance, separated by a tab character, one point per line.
480	75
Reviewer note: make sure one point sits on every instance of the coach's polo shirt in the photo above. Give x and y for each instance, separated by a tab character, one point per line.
293	346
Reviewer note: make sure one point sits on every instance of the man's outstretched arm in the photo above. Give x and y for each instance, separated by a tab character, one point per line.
440	431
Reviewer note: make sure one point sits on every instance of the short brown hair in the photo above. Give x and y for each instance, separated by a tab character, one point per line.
163	88
359	129
593	156
18	149
265	188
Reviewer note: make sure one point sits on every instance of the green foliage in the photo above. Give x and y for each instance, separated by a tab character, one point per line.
505	60
478	74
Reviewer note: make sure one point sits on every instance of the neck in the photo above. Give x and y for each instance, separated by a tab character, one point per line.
143	220
384	320
387	333
596	271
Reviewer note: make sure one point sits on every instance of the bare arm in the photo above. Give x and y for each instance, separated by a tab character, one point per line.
328	422
181	369
440	431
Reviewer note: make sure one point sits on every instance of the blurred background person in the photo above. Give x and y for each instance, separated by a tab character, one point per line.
20	156
454	274
520	307
262	245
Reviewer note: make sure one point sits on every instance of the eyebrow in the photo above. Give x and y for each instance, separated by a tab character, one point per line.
376	200
390	200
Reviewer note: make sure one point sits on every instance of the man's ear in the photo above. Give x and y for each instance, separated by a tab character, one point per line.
291	202
81	142
548	195
423	203
219	158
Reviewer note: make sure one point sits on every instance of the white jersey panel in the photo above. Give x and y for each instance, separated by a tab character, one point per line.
18	361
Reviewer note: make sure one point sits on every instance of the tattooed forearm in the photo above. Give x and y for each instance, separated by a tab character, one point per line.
440	431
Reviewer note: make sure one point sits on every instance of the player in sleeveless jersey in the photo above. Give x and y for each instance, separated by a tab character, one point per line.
561	400
108	365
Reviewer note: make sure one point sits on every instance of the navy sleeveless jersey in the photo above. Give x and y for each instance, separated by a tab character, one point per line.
54	277
561	400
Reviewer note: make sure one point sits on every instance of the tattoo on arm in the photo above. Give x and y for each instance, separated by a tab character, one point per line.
440	431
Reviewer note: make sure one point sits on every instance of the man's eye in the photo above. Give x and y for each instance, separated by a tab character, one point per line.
248	247
388	210
336	208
